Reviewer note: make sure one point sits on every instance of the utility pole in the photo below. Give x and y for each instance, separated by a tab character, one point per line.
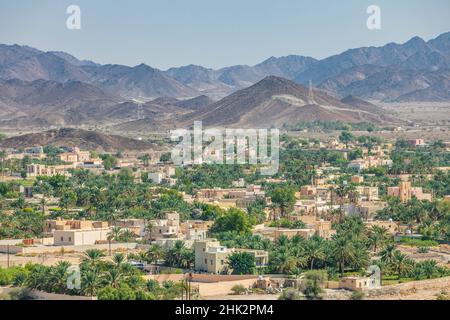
189	286
182	289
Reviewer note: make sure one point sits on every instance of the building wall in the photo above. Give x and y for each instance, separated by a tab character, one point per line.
79	238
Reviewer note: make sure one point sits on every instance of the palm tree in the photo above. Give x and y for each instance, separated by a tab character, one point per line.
154	253
343	252
39	278
118	260
429	268
113	235
187	258
44	205
284	262
314	251
145	159
2	161
59	276
377	237
128	235
148	229
401	263
90	283
93	257
141	256
173	256
387	254
113	277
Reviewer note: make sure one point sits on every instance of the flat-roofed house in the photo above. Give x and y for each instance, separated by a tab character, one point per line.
80	237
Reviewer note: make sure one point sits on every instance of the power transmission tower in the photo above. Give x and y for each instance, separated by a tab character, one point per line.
311	94
140	112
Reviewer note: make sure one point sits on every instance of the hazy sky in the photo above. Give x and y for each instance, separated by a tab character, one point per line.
213	33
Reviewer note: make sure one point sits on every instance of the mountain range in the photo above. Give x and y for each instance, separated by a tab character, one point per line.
275	101
44	89
394	72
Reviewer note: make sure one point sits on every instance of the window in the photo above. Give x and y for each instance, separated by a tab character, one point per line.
211	262
70	239
221	262
62	239
206	261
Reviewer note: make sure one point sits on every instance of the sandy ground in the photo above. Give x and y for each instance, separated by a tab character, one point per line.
47	259
264	297
420	295
420	112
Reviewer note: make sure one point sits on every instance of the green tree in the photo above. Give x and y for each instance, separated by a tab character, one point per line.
315	282
154	254
234	220
93	257
346	137
377	237
109	161
242	263
284	199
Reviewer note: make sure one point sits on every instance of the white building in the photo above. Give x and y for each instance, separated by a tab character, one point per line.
80	237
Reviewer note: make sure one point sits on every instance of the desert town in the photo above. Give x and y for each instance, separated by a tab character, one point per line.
338	211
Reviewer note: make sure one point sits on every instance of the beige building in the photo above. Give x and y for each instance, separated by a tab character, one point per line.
364	209
390	226
357	179
290	233
61	225
195	229
75	156
405	192
166	228
137	226
367	193
211	257
354	283
35	170
80	237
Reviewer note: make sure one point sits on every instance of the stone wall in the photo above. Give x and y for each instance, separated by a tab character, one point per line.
56	249
41	295
221	288
410	287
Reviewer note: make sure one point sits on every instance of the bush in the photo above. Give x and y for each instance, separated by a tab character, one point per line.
314	283
8	275
108	293
241	263
357	295
419	242
238	289
423	250
290	294
16	294
443	296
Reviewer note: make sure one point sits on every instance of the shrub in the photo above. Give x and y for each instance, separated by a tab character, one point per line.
419	242
357	295
315	281
290	294
423	250
7	275
238	289
443	296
